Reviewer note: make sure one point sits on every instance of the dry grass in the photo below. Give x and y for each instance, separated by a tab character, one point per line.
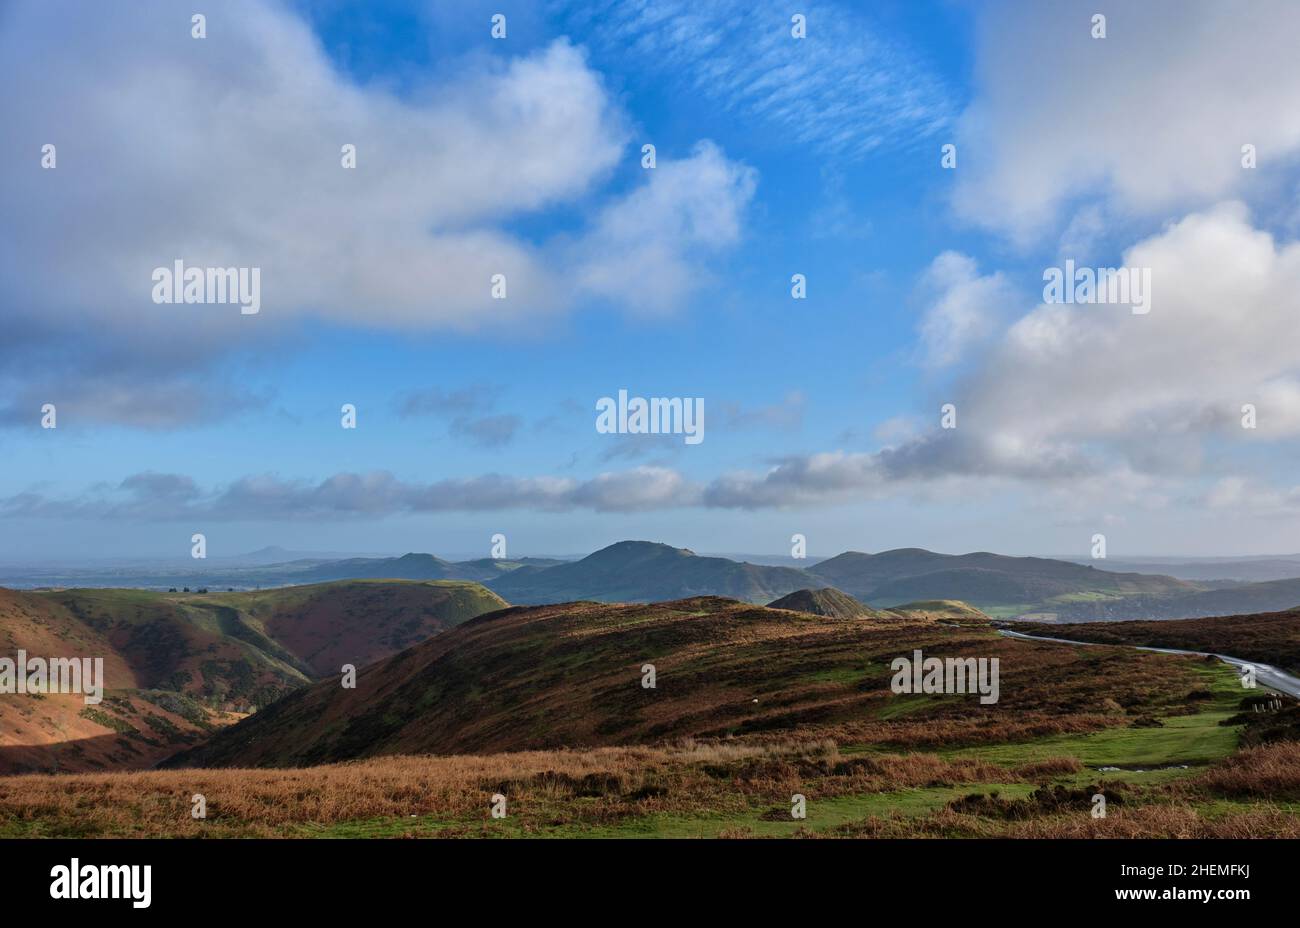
1271	771
591	788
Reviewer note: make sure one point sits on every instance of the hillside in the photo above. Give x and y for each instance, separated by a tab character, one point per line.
1270	638
952	611
176	665
543	677
323	626
642	571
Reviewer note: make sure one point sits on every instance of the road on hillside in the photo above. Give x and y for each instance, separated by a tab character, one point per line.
1265	675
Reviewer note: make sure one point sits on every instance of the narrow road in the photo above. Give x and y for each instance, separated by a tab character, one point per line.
1265	675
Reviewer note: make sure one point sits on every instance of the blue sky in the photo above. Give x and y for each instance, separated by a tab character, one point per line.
776	156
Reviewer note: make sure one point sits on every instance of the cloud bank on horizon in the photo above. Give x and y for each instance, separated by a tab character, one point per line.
925	383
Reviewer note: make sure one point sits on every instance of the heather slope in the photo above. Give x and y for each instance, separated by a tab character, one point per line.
573	675
1270	638
178	665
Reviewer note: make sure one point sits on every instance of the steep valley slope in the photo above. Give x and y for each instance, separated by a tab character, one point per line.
177	666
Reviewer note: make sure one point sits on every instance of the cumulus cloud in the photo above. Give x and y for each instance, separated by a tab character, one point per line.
1066	398
644	250
964	307
226	152
1219	334
1152	118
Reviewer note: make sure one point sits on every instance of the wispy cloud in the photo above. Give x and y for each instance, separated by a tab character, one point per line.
466	408
845	89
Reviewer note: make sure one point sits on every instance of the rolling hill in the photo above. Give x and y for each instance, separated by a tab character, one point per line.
1237	599
573	675
983	579
177	665
643	571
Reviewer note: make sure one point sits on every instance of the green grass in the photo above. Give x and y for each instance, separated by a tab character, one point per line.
1085	596
849	674
1183	739
1004	612
823	814
901	705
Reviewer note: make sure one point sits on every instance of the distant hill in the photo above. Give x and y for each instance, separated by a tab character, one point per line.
1238	599
639	571
893	577
177	665
1210	569
573	675
643	571
258	571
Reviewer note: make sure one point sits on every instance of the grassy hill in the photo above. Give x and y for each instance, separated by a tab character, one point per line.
952	611
572	675
323	626
178	665
642	571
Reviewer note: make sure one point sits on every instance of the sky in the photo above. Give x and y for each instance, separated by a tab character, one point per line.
774	156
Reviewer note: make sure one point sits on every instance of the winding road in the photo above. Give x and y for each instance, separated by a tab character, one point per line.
1265	675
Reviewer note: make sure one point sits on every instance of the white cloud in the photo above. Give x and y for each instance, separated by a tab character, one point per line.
1151	117
645	250
964	307
1220	333
225	151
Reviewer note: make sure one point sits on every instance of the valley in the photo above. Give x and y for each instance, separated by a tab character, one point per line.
179	666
